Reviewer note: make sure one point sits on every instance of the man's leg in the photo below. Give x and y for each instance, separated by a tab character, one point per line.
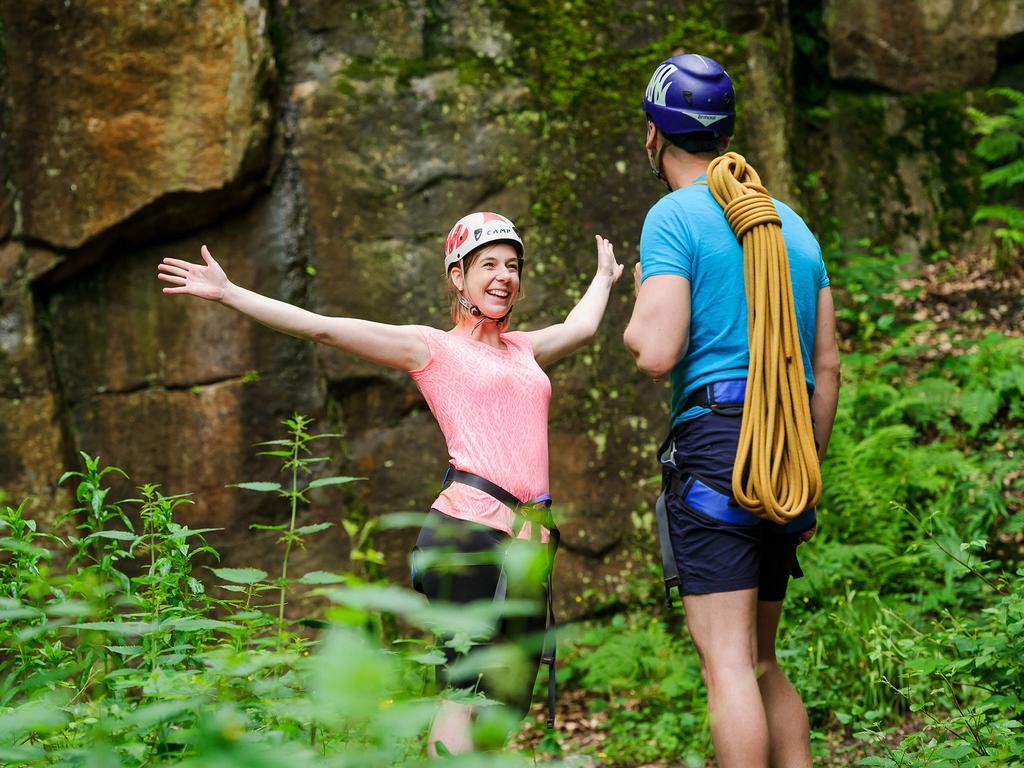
788	729
722	626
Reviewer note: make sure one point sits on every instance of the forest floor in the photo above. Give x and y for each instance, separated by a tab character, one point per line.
963	297
581	734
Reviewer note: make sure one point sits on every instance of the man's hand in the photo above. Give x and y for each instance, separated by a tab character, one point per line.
637	277
808	534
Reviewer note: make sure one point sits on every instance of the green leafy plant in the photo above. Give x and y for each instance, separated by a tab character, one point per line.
297	462
149	669
866	278
1001	147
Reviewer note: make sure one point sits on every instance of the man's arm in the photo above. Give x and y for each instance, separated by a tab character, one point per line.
659	330
825	364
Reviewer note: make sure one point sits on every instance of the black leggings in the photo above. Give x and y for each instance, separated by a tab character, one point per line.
459	561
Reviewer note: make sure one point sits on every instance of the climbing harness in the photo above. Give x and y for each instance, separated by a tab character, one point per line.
725	398
537	513
776	474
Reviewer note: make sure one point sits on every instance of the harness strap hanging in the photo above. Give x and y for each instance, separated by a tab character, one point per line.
669	569
726	398
537	512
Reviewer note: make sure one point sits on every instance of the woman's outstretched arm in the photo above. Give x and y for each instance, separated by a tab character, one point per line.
553	343
396	346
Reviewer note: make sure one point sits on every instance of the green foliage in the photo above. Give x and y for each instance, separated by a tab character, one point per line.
1000	146
964	672
866	281
646	681
922	458
298	462
124	658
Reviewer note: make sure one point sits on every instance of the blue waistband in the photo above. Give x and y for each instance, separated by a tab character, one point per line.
721	506
728	392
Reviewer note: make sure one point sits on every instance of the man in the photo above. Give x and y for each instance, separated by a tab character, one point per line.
690	323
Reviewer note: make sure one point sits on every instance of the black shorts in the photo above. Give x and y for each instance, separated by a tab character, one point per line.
459	561
715	556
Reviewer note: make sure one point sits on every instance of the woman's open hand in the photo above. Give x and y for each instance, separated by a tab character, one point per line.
606	263
205	281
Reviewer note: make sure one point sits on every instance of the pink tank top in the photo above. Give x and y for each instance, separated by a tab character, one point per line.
492	407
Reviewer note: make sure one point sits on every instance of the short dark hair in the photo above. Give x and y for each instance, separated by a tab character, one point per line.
696	143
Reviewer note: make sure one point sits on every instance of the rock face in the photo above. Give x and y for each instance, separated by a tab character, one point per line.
175	390
899	168
33	448
912	46
114	105
323	150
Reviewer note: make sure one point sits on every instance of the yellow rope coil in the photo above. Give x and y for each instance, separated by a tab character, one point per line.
776	475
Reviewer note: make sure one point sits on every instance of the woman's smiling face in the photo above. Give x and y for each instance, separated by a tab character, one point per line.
491	280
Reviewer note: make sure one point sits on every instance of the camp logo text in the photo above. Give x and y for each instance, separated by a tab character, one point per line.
494	232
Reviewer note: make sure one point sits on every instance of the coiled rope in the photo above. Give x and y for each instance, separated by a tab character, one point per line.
776	475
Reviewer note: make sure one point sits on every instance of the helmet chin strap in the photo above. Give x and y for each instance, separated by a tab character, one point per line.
654	158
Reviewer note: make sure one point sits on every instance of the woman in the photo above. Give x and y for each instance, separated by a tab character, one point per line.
486	388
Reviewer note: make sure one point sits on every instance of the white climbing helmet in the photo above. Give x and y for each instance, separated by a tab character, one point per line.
476	230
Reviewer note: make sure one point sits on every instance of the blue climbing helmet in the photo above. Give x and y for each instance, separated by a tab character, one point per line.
691	100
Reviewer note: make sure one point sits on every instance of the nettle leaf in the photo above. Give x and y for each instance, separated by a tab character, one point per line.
394	520
118	535
70	609
337	480
151	715
246	615
321	577
35	716
389	599
24	612
240	575
313	528
431	658
23	754
21	547
256	486
184	532
189	624
259	527
118	627
125	650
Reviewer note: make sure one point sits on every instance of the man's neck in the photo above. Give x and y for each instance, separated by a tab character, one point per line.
681	168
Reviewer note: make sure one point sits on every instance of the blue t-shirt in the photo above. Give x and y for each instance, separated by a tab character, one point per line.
686	234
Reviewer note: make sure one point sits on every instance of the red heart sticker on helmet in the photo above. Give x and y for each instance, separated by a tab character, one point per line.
456	238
